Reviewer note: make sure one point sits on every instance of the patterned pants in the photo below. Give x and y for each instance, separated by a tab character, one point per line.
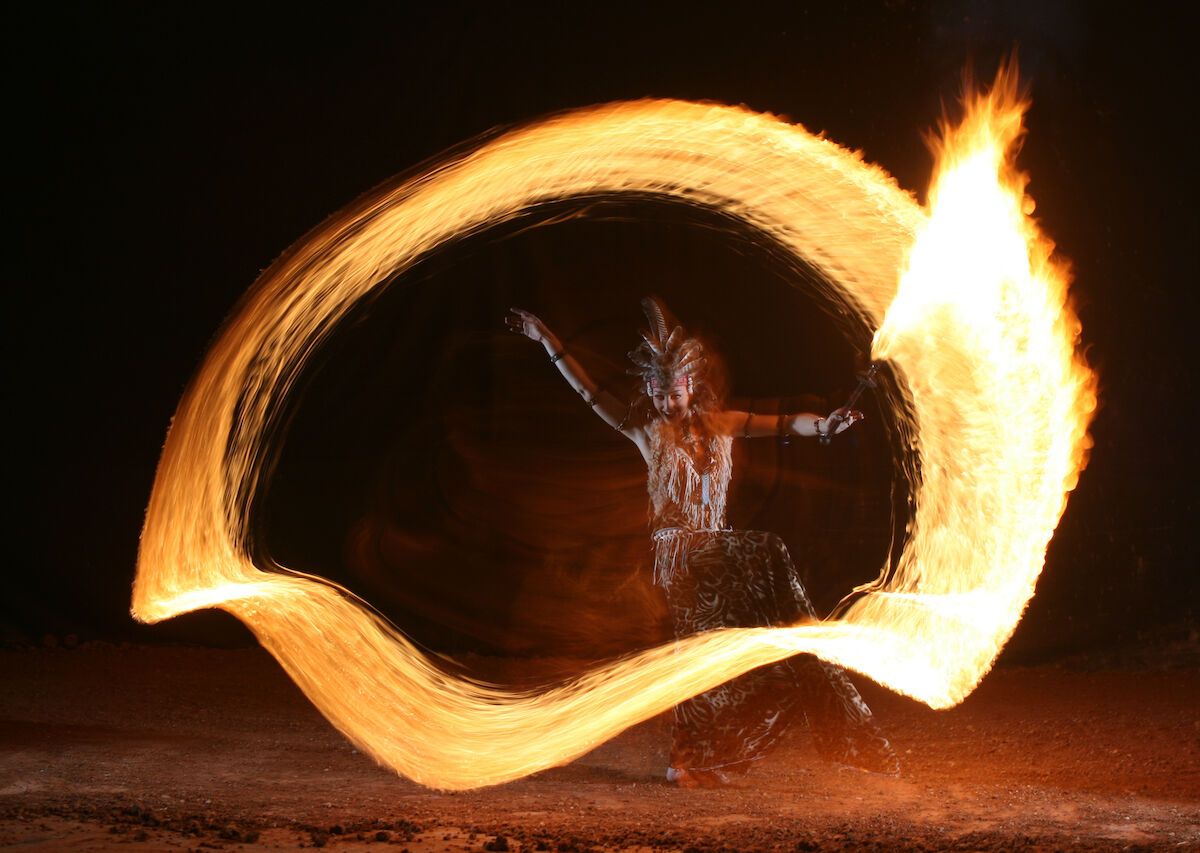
746	578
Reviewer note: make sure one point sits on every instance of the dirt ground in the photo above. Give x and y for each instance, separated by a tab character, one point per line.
174	748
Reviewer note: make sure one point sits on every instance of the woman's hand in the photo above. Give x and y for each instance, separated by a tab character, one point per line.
839	420
805	423
524	323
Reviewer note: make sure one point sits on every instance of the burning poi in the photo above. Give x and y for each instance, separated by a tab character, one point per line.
967	306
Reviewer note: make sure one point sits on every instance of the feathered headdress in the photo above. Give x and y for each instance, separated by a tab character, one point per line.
664	358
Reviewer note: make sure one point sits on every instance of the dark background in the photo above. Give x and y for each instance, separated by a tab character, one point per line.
162	156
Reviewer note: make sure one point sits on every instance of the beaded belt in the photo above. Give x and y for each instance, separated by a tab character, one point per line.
664	532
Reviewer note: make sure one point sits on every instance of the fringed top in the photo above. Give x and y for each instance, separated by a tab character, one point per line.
681	496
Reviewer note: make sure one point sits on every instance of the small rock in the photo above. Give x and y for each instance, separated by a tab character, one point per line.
382	835
497	843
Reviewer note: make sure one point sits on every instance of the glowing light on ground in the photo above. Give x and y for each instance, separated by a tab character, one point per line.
969	308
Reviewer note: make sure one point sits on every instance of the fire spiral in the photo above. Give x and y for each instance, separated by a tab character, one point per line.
968	306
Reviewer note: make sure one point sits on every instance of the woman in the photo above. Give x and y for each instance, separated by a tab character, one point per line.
714	577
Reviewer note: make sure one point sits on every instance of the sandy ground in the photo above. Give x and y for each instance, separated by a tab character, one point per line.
200	749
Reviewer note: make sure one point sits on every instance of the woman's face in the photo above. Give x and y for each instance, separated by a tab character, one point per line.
672	403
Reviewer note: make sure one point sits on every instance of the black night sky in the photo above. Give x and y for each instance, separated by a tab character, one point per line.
164	154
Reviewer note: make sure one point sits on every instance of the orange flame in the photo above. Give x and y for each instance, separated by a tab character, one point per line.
968	307
1002	398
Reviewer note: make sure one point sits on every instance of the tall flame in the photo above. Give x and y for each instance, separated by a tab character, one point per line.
968	306
1001	398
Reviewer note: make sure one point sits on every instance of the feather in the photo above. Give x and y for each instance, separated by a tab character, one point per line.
654	315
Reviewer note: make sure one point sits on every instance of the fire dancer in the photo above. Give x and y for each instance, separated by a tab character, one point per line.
712	576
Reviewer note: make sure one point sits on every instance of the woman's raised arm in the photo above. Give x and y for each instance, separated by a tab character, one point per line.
611	410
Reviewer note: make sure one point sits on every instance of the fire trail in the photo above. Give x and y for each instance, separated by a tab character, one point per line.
968	307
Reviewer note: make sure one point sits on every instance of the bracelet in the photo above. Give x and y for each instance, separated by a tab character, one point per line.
781	426
746	426
817	427
594	401
558	355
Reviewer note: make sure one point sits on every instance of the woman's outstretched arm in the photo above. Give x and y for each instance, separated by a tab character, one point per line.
612	410
806	424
